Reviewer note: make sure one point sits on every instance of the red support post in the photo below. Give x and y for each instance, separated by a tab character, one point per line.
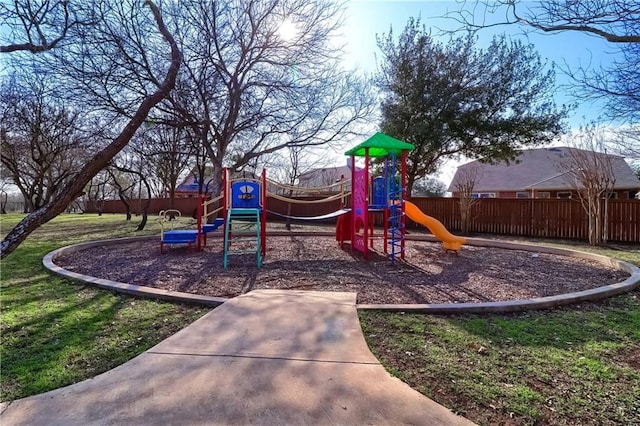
342	199
199	219
385	221
366	206
353	216
263	218
404	197
225	182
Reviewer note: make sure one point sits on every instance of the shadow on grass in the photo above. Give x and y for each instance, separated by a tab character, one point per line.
62	334
575	365
55	332
616	320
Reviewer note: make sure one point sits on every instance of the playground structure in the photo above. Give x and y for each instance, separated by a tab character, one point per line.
384	193
243	207
245	213
184	236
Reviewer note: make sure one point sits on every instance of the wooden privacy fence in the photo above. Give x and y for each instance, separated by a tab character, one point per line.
531	217
188	206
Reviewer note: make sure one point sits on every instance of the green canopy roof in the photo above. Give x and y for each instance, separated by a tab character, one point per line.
380	145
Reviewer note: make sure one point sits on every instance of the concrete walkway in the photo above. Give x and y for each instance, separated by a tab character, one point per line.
268	357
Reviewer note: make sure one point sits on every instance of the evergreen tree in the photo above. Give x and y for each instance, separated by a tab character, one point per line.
452	99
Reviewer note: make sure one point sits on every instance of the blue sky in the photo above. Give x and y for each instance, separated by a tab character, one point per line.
366	18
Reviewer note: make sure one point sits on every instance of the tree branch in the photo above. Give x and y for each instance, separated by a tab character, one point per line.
70	192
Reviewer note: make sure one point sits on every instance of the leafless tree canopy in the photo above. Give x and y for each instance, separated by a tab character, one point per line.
626	141
248	90
243	88
614	20
101	159
617	21
38	25
42	144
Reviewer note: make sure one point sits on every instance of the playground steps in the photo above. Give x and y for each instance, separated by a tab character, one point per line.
210	227
182	236
396	224
188	236
396	234
242	226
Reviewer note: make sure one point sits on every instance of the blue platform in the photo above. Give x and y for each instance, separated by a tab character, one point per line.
188	236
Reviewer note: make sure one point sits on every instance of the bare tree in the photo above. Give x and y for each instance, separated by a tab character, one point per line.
169	154
617	21
4	194
36	26
100	160
612	20
98	190
42	142
626	141
590	172
123	185
465	180
125	181
248	91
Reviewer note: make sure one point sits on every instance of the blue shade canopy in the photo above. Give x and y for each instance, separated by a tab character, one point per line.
380	145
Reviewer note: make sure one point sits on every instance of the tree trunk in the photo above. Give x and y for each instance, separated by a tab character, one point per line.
76	185
145	208
28	204
410	182
127	208
466	204
3	203
216	180
145	215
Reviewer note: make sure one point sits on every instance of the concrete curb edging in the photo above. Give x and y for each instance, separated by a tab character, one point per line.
134	290
548	302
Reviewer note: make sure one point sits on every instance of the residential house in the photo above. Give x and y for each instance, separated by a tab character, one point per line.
539	173
324	176
189	186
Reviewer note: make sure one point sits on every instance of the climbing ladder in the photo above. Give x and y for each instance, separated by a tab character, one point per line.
242	229
396	225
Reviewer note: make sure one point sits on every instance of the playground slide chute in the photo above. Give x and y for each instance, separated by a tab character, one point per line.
449	241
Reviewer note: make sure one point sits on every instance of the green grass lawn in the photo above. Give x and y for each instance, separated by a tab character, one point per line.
56	332
576	365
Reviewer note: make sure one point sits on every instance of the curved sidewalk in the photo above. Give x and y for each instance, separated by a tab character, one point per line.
268	357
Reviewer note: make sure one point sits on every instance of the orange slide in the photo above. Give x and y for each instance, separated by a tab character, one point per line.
449	241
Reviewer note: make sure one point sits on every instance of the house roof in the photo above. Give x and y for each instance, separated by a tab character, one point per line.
380	145
539	169
327	173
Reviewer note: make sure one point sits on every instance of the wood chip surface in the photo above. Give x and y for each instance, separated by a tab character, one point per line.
428	274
